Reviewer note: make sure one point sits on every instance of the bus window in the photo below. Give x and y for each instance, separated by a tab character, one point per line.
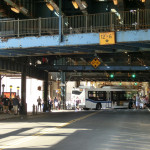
119	97
101	95
97	95
76	92
92	95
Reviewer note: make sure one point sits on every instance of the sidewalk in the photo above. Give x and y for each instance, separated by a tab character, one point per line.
12	116
29	114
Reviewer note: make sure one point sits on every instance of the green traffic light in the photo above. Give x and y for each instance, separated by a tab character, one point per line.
120	83
135	83
133	75
111	75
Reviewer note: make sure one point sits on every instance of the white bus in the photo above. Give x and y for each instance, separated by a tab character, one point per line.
105	97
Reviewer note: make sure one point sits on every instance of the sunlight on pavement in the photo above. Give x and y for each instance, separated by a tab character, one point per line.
36	134
48	133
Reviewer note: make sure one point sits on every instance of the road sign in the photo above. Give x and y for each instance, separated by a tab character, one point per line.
95	62
107	38
61	84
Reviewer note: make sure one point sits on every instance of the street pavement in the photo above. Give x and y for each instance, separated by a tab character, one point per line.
112	129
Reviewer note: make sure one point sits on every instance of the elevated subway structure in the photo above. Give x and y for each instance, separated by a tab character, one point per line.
67	44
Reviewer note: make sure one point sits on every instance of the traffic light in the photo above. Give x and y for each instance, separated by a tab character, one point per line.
111	75
120	83
135	83
133	75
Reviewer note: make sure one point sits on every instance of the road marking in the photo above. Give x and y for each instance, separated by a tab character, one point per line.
20	141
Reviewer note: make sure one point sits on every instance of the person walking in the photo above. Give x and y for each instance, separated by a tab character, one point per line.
10	105
137	101
1	104
6	102
39	103
56	103
15	104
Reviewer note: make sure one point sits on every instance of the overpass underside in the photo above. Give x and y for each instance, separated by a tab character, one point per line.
120	44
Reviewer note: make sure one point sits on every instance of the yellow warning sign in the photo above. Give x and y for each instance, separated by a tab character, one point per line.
95	62
107	38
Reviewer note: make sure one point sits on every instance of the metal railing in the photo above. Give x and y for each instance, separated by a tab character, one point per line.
102	22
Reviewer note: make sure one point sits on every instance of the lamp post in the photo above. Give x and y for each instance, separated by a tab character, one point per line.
3	85
10	90
18	90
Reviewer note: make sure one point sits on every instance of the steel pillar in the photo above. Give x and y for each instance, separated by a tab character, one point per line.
23	92
45	93
60	21
77	84
63	90
0	85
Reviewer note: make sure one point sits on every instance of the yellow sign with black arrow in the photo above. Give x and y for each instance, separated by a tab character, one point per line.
107	38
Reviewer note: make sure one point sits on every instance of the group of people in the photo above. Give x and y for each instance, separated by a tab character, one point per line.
51	104
139	102
54	104
8	105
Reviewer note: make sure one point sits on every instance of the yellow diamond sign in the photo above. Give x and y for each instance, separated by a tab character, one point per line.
95	62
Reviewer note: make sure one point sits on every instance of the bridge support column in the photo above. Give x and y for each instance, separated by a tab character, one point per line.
63	90
45	93
77	84
23	110
0	85
60	21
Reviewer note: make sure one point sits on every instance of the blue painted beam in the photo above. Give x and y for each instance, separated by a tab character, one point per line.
133	36
91	39
91	68
46	41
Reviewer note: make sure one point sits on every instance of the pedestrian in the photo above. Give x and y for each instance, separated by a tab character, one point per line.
130	103
51	104
1	104
10	105
15	104
56	103
39	103
137	101
134	102
6	102
59	104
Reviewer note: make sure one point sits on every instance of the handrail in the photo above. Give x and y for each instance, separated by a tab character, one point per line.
101	22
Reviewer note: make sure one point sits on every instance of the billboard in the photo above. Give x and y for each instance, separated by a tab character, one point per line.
7	94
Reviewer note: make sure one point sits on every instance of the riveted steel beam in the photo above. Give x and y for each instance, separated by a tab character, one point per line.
91	68
13	66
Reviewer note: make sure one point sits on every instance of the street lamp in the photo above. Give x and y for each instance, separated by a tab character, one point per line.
10	90
18	90
3	85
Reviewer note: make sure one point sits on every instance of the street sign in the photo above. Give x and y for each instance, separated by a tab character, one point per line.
107	38
61	84
95	62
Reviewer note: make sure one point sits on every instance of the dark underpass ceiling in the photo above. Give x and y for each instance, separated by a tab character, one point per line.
138	63
123	54
38	8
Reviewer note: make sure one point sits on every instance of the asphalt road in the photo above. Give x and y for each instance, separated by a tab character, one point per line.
86	130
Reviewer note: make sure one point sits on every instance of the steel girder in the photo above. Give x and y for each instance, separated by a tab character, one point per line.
91	68
10	66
